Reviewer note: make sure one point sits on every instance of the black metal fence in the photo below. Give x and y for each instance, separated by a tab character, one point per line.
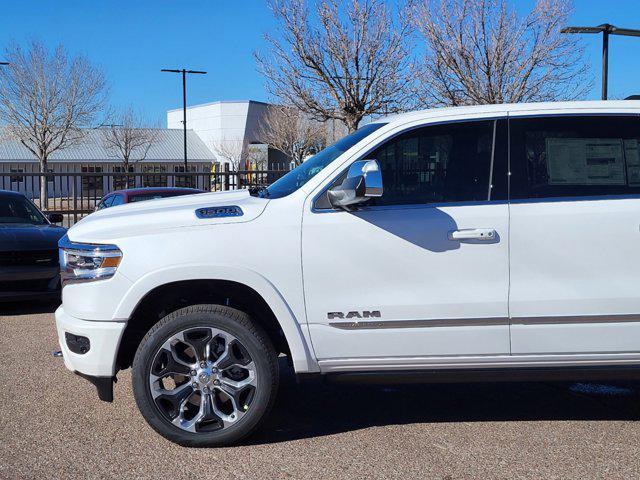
75	194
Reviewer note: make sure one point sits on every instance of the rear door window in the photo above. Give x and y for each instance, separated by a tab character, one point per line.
574	156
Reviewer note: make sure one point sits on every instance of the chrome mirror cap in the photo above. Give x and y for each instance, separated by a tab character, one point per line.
363	181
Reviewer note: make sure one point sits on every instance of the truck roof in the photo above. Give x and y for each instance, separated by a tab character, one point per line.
595	106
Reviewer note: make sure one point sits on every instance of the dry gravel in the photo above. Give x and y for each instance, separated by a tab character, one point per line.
53	426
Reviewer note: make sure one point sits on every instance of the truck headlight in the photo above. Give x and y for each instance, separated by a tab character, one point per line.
86	262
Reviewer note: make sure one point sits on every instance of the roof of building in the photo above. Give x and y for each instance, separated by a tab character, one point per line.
199	105
515	109
168	147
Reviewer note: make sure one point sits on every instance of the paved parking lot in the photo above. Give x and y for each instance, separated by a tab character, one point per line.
53	426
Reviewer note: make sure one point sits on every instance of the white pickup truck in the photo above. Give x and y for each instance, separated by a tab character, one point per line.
491	241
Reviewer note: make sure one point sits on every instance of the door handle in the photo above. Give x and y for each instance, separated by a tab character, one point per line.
482	234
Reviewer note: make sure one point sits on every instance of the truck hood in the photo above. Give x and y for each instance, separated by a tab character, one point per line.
168	213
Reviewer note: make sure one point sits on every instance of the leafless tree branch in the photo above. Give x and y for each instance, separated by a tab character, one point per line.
346	60
233	151
46	97
130	139
292	132
481	51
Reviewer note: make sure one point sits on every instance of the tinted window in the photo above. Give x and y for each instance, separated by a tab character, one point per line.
17	209
117	200
436	164
106	202
300	175
154	196
574	156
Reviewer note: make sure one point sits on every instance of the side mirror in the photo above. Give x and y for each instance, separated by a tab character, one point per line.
363	181
55	217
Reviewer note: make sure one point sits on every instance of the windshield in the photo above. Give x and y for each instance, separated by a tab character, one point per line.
17	209
300	175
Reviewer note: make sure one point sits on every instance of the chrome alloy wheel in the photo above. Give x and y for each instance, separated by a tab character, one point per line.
202	379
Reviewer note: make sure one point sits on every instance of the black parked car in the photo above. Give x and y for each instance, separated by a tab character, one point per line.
28	249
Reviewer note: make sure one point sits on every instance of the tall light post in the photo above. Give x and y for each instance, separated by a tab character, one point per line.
184	104
606	29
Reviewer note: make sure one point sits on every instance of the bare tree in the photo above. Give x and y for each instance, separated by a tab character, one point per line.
292	132
233	151
482	51
347	61
45	99
129	139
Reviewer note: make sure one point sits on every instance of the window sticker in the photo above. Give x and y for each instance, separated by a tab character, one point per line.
585	161
633	161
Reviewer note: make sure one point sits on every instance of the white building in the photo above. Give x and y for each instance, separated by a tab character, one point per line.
228	127
164	160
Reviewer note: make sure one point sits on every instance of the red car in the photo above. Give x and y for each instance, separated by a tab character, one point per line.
120	197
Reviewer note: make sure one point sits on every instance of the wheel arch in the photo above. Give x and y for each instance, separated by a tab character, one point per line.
245	289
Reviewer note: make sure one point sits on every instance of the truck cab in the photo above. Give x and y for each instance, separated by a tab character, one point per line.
495	238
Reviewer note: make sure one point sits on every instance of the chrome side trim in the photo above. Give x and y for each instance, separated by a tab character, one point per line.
479	361
67	244
447	322
575	319
484	322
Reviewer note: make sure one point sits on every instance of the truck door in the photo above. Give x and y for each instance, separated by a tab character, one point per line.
575	235
419	275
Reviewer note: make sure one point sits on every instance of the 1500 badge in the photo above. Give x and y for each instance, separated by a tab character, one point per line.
354	314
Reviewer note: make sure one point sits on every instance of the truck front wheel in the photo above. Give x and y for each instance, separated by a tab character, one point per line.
205	376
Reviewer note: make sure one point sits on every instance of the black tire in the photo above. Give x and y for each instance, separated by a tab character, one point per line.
252	338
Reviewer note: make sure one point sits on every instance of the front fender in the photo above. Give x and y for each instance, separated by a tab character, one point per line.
303	360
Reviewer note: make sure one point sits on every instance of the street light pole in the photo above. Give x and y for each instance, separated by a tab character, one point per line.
606	29
605	64
184	104
184	116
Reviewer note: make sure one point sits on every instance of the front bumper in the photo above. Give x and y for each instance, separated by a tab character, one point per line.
25	282
99	363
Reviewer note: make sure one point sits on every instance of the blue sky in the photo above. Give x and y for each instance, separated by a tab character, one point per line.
132	40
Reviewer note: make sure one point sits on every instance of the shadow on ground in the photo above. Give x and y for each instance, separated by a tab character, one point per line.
317	408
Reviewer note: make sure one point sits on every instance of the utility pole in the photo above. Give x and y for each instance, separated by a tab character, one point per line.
184	104
606	29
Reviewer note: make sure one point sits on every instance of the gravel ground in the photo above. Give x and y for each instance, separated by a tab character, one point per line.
52	425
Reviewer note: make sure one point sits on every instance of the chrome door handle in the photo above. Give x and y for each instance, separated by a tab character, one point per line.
483	234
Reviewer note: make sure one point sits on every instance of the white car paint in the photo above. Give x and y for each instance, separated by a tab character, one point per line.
306	264
399	261
584	262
